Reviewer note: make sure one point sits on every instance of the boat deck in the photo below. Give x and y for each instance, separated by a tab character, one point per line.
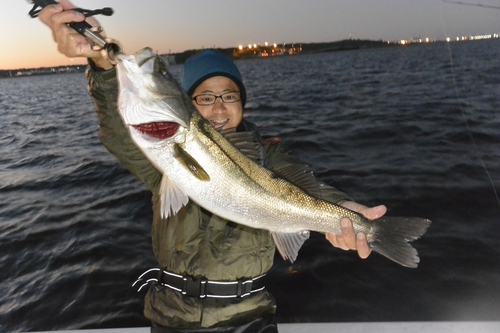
379	327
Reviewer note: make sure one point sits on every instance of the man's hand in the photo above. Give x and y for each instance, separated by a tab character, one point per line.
69	42
349	240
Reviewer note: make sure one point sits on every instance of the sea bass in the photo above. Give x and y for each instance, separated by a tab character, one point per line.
200	163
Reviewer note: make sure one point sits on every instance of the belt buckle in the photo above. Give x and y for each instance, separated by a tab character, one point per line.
244	288
194	288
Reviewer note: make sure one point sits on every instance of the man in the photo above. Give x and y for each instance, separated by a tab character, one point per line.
211	270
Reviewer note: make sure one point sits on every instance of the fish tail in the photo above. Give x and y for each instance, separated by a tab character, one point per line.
392	235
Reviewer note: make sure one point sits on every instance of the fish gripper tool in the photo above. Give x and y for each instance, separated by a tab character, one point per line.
108	46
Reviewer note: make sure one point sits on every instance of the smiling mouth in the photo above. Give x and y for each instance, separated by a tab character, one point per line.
218	123
159	130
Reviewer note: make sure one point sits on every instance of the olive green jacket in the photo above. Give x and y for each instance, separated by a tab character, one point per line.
194	242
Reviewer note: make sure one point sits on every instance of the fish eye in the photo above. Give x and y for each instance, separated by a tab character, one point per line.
166	74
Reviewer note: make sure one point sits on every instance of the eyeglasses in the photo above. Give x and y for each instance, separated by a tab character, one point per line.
209	99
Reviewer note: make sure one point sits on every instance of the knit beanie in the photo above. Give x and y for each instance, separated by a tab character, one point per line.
207	64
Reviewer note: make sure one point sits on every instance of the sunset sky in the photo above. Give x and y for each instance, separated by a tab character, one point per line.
176	26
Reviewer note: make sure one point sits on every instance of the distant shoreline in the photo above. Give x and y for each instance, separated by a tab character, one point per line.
246	52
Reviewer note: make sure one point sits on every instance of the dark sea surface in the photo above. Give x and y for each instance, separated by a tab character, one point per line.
415	128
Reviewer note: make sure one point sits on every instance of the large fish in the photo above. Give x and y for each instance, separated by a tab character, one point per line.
199	163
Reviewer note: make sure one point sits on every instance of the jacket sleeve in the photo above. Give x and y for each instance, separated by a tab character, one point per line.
278	158
103	87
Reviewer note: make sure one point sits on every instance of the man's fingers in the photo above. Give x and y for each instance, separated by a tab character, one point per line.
348	234
362	246
68	16
48	11
337	241
375	212
67	5
54	15
47	15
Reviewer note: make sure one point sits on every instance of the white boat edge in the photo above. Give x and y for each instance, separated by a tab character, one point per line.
379	327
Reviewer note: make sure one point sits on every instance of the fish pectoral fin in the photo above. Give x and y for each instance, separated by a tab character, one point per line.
171	197
289	244
190	163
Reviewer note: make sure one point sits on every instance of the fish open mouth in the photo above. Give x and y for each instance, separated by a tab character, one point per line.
159	130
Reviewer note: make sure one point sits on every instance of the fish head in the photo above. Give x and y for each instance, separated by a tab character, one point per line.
151	102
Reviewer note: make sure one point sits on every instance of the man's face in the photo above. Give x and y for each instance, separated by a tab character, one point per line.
220	114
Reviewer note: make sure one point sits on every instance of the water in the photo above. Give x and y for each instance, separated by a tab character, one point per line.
388	126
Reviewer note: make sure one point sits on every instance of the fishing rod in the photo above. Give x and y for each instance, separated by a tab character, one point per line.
471	4
471	136
108	46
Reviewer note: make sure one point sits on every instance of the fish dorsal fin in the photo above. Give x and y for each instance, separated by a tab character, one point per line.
190	163
171	197
302	177
246	143
289	244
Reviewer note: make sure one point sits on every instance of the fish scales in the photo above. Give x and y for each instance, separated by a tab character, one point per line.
282	202
198	163
280	196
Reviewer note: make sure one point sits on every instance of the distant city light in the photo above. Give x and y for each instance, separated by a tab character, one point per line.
265	48
482	37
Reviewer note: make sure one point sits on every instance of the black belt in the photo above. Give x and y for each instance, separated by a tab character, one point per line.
202	288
